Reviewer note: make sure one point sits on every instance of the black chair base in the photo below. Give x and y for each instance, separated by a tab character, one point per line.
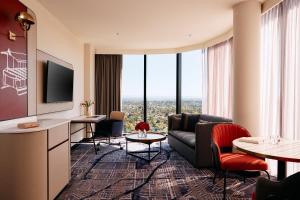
108	142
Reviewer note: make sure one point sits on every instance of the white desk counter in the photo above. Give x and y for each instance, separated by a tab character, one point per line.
44	125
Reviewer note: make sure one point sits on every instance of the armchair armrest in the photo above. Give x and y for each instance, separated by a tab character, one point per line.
266	189
288	188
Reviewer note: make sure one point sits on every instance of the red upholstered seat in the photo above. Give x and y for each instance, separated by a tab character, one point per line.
239	161
222	137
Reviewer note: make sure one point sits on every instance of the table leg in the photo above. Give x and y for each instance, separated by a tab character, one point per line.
149	152
126	147
159	146
281	170
93	138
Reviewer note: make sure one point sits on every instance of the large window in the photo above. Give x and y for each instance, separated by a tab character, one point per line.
161	90
191	82
152	90
133	90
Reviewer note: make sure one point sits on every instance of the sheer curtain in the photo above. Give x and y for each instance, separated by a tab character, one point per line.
271	76
291	74
217	80
280	74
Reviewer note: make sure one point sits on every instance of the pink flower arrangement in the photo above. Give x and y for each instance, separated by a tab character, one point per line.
142	126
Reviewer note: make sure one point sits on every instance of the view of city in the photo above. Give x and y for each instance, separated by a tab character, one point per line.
157	112
160	88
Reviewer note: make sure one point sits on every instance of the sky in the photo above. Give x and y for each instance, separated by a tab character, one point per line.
161	76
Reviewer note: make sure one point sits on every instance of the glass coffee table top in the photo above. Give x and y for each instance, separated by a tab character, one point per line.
151	137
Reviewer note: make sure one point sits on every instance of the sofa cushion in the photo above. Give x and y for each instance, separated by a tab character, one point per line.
188	138
189	121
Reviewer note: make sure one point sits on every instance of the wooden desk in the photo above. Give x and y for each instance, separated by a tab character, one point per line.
284	151
89	121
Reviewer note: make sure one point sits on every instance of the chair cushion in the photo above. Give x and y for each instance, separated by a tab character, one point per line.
239	161
188	138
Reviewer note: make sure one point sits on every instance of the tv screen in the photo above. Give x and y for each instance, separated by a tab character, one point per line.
58	83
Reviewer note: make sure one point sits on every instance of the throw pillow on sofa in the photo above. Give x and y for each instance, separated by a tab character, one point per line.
189	121
176	124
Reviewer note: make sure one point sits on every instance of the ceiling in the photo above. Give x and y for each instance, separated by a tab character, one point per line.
143	24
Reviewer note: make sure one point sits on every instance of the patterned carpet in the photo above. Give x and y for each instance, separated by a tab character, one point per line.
113	175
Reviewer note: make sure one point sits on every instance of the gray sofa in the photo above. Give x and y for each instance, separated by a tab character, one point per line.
195	145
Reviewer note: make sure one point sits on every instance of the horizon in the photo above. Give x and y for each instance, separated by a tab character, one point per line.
153	98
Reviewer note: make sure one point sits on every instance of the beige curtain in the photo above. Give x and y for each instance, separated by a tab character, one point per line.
108	70
218	83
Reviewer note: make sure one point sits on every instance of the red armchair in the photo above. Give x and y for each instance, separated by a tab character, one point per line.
225	160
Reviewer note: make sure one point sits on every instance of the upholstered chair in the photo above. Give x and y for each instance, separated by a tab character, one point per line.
112	127
225	160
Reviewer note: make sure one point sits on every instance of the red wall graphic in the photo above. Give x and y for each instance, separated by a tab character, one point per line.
13	63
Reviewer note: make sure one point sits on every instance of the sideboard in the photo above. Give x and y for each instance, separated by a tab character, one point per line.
35	162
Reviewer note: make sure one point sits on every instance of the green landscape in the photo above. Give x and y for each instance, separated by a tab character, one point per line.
157	112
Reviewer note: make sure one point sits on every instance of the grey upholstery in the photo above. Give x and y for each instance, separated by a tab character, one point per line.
186	137
194	146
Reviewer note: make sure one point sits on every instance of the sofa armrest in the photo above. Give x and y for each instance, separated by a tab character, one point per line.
203	144
171	121
203	150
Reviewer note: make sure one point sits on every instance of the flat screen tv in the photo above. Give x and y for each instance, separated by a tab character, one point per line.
58	83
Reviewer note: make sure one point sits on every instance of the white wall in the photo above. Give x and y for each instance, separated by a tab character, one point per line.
54	38
246	51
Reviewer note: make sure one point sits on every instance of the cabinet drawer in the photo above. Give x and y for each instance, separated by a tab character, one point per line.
58	135
58	169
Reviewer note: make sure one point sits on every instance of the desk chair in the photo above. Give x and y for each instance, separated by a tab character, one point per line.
112	127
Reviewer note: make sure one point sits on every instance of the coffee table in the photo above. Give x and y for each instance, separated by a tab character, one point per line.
151	138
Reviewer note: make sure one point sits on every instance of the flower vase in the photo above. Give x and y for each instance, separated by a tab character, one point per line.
144	134
140	134
89	111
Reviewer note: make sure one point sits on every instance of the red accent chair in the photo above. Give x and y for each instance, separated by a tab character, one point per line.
225	160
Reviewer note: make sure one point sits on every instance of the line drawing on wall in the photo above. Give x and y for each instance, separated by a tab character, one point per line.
14	74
